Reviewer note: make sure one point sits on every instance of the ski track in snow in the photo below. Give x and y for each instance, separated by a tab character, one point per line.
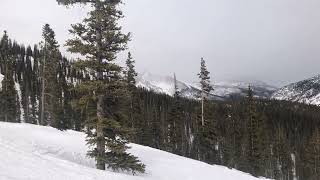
30	152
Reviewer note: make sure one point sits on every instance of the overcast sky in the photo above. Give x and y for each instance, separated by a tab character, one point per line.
276	41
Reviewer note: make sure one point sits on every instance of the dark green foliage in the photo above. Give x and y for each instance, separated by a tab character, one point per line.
130	73
8	94
99	39
275	139
311	156
283	129
29	96
206	87
175	125
133	100
204	77
24	67
254	124
50	108
226	137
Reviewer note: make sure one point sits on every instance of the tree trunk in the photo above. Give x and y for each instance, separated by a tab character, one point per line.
101	144
100	135
202	109
6	90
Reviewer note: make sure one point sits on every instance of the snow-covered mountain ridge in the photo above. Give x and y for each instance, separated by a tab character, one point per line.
222	90
305	91
30	152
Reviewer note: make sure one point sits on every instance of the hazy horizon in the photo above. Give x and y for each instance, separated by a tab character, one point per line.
276	42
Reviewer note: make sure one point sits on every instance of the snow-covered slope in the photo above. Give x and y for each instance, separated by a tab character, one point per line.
165	85
29	152
240	89
222	90
306	91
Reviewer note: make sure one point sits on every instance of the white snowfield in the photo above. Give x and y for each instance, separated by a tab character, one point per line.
29	152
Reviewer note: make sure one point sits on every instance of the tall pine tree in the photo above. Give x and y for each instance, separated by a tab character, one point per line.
99	39
206	87
49	67
133	99
255	149
175	132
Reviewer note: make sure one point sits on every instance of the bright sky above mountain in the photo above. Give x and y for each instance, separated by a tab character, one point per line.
276	41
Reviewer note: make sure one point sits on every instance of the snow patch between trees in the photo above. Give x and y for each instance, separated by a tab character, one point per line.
1	79
18	89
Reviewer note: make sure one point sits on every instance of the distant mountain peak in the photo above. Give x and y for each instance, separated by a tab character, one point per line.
157	83
222	90
305	91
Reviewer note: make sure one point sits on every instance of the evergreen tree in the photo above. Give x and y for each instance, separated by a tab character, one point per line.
36	85
27	89
134	110
175	123
207	136
64	109
99	38
282	156
8	100
130	73
312	156
49	84
255	138
275	139
233	137
206	87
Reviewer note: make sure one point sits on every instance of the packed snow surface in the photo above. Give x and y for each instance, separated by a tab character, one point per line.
29	152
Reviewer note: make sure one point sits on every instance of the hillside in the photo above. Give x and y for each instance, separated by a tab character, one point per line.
305	91
37	153
222	90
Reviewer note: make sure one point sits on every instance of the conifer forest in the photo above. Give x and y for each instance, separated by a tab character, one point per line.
94	94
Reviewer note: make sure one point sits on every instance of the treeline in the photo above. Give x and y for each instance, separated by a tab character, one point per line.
274	139
29	86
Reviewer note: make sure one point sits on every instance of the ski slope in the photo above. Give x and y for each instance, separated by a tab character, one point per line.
29	152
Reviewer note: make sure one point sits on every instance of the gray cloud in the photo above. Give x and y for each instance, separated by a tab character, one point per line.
276	41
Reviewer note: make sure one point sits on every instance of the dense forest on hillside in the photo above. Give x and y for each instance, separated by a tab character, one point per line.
274	139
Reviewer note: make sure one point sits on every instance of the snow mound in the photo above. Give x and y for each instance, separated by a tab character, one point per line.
37	153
